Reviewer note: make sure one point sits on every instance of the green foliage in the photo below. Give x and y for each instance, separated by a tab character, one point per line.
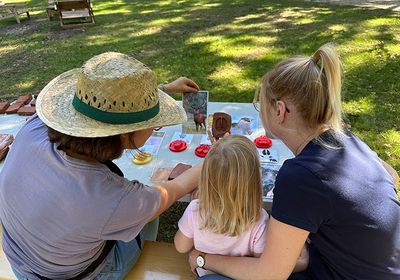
226	46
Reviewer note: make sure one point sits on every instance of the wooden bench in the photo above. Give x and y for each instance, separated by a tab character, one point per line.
51	9
8	10
75	10
6	272
158	261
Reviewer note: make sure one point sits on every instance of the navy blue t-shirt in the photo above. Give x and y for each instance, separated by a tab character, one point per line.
347	201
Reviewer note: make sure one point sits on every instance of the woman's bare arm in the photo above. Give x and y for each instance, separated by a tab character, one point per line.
173	190
391	171
282	249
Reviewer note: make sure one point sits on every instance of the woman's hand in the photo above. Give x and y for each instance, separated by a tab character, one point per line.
192	260
181	85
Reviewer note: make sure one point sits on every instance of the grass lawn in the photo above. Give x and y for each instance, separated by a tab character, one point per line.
226	46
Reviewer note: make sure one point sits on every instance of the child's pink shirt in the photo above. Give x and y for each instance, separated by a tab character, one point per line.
247	244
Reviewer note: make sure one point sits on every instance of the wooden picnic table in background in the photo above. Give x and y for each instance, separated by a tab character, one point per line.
9	9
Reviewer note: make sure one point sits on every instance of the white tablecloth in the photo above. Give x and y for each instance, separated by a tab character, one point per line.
165	158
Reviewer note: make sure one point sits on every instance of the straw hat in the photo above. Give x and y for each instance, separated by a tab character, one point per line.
111	94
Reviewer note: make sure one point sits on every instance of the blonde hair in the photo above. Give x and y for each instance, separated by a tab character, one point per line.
230	190
312	84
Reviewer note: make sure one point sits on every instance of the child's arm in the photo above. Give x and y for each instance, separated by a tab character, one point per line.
182	243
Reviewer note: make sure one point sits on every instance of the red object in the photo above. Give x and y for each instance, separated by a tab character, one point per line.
24	99
202	150
4	106
27	111
263	142
178	146
13	109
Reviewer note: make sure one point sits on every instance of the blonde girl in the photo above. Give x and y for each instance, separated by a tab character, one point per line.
228	218
336	192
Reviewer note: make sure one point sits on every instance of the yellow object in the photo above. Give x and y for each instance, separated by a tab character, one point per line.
142	158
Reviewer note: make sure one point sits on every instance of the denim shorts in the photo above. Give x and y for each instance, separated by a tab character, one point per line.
122	257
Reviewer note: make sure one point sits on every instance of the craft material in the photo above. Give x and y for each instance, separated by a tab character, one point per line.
142	158
3	107
25	99
178	170
13	109
178	146
26	111
202	150
221	124
263	142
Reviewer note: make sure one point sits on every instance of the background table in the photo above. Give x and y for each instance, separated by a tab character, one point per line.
165	158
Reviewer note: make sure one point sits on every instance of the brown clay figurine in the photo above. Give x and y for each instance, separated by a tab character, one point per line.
222	123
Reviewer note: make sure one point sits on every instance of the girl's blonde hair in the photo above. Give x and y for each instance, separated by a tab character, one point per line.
312	84
230	191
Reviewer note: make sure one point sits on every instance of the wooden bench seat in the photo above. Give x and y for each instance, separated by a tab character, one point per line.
8	10
6	272
75	9
158	261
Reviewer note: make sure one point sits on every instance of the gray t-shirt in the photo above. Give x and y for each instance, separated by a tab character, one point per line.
57	211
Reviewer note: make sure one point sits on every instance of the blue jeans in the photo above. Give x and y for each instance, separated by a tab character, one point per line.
213	277
294	276
122	257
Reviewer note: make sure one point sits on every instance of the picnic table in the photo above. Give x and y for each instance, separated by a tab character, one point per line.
170	264
11	124
12	9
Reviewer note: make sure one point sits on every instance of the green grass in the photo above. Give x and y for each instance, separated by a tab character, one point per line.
226	46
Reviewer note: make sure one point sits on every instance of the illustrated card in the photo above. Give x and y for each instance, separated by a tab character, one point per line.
205	140
244	125
182	136
195	105
268	173
268	155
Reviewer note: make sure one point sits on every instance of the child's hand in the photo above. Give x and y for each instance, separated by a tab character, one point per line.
211	137
194	194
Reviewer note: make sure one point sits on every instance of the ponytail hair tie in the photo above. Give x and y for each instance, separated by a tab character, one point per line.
316	56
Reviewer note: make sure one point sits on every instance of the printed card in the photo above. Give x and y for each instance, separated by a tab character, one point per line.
182	136
195	105
268	173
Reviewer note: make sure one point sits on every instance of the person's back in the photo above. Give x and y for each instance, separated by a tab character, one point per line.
348	204
53	215
228	218
249	243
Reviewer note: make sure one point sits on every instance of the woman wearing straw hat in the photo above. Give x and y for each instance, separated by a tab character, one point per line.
63	201
335	192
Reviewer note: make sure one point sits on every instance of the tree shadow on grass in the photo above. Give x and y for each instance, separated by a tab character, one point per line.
225	46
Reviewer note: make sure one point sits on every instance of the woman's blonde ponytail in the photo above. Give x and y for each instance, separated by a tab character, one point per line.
331	66
312	84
